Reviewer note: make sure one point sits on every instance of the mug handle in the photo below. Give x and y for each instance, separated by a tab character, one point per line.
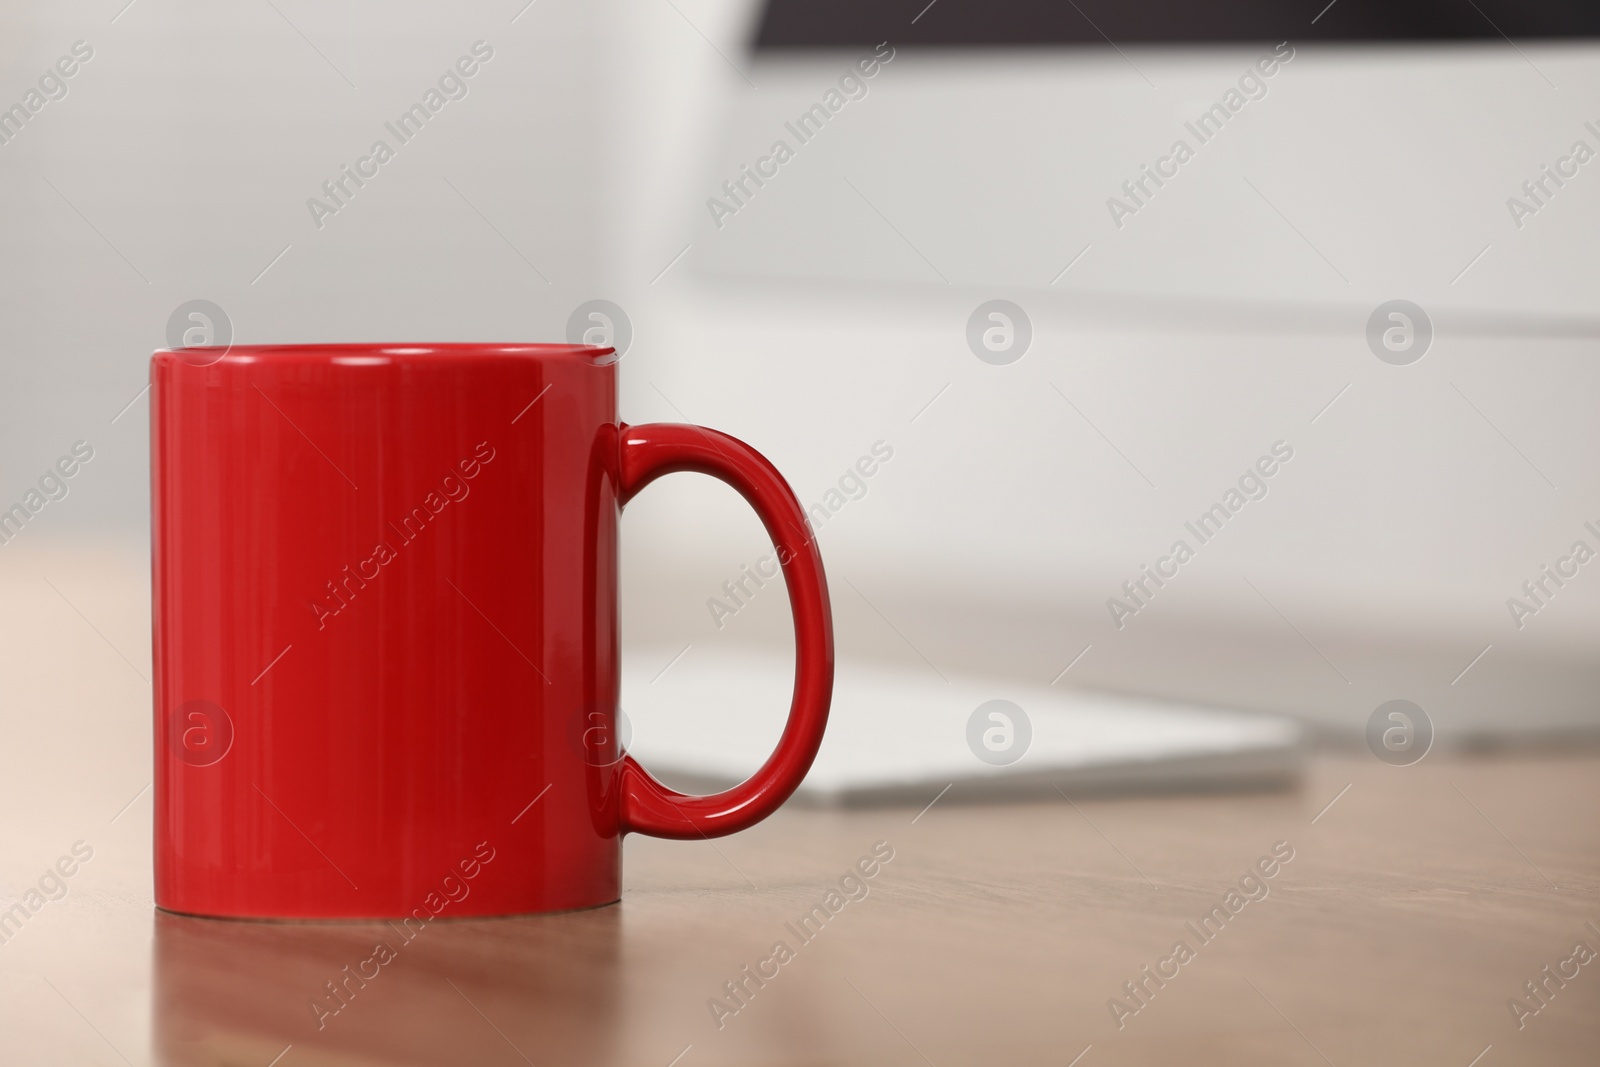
648	807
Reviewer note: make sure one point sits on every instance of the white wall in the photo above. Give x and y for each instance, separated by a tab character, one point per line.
190	144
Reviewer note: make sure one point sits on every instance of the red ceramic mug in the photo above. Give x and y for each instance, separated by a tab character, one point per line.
385	614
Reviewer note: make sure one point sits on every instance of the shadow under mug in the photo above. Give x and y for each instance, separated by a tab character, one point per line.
386	634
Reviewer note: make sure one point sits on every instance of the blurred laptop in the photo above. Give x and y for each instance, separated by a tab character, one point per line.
940	155
896	738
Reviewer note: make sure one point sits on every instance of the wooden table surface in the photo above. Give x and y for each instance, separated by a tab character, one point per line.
1418	901
1413	908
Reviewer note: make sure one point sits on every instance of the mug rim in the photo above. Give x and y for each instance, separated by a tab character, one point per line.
357	353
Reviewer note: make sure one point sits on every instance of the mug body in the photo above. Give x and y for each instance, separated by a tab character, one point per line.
385	630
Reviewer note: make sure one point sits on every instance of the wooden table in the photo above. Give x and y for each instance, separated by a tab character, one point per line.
1418	900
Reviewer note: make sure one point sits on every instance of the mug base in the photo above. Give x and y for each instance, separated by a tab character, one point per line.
319	920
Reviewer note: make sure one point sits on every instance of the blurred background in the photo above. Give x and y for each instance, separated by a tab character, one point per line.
825	309
981	261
